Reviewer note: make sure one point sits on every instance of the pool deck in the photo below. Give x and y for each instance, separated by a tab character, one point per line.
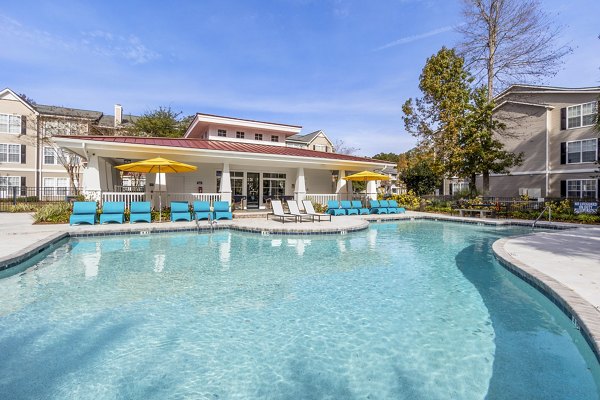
563	264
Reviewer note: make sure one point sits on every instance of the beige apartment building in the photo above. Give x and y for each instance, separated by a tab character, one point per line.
28	159
554	128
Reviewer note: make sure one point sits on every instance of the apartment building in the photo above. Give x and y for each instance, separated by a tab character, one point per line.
316	140
28	159
555	129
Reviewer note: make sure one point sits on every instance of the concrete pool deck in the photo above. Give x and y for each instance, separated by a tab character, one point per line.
563	264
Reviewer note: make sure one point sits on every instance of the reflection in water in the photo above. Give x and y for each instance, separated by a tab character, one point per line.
299	244
225	251
276	242
372	238
341	245
159	262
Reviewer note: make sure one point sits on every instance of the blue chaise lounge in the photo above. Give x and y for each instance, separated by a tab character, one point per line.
333	208
84	212
222	210
139	211
180	211
113	211
347	207
357	205
376	207
202	210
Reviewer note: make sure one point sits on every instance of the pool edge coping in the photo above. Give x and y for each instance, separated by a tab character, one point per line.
582	313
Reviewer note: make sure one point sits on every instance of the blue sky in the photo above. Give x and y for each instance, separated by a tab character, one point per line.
342	66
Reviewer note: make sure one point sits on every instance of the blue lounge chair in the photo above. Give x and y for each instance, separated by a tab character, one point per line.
222	210
356	204
84	212
333	208
113	211
386	204
376	208
202	210
347	207
394	204
139	211
180	211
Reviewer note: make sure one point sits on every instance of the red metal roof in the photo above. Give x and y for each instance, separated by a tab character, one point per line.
219	145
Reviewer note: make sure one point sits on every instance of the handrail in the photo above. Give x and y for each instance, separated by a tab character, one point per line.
541	214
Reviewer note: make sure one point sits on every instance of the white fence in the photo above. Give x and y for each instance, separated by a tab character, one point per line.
125	197
190	197
322	198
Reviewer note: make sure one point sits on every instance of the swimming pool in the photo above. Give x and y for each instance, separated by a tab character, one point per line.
407	310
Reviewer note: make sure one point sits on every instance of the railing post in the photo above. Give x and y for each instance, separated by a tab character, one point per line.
14	195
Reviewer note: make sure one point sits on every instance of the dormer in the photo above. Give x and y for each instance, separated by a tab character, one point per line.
228	129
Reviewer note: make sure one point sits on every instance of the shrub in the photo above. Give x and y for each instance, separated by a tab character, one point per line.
408	200
54	213
320	208
23	207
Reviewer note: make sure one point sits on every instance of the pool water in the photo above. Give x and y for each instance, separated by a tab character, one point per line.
407	310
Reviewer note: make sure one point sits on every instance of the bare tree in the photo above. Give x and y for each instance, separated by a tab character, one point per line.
340	147
508	41
71	162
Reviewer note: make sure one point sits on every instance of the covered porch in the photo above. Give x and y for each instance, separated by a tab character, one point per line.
249	181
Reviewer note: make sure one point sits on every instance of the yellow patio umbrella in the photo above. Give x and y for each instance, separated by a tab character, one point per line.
159	166
366	176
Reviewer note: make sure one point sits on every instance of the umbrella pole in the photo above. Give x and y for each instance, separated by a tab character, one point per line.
159	197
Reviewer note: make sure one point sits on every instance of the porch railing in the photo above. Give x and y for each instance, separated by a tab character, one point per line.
189	197
126	197
322	198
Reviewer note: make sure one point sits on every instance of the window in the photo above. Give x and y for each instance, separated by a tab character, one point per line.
237	182
581	151
582	115
320	147
50	157
273	185
258	136
274	138
222	133
10	153
10	123
56	186
7	183
240	135
582	188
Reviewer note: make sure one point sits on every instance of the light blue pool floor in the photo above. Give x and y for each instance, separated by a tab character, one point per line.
409	310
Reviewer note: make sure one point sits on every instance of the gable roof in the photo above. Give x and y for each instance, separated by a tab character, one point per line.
19	98
67	112
108	121
522	88
304	138
217	145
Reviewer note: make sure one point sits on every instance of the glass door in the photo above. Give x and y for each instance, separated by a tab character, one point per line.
252	190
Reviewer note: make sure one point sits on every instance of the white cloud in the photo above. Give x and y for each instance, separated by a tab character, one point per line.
96	42
414	38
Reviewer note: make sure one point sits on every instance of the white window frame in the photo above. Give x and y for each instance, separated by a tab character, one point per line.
274	138
321	147
580	190
581	151
51	187
54	156
13	124
6	188
258	136
240	135
221	133
594	105
9	153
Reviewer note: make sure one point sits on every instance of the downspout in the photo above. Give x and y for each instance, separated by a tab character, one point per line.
38	171
547	153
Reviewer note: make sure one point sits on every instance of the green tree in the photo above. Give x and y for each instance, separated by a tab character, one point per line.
455	122
162	122
391	157
421	178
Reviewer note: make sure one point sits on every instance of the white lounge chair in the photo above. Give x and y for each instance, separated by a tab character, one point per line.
310	210
294	210
278	212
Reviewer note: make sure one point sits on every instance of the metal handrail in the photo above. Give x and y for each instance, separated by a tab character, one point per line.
547	208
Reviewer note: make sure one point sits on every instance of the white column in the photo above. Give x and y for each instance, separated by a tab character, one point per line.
341	187
91	179
225	188
372	190
300	187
